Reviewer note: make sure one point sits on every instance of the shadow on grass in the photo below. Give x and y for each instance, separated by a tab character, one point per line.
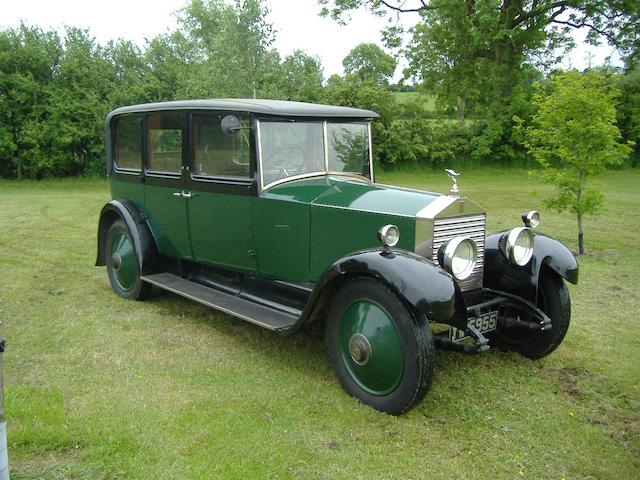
306	351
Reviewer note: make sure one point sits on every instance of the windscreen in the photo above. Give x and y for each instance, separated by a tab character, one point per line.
292	148
348	147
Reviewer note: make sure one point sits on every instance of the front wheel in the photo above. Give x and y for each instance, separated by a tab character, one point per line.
382	353
122	263
554	300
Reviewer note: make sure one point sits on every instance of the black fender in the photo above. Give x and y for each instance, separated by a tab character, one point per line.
500	274
420	283
143	241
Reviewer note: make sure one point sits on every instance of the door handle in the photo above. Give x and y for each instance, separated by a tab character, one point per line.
184	194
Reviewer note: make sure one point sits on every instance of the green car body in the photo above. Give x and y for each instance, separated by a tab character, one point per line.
269	211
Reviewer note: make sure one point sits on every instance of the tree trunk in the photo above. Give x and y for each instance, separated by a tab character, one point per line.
583	176
461	109
580	236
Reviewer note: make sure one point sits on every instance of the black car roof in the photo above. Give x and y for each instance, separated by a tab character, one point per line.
259	106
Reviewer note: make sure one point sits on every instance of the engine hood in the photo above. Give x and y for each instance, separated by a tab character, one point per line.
354	194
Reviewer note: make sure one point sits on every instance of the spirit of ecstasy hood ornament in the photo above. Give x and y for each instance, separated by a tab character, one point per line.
453	176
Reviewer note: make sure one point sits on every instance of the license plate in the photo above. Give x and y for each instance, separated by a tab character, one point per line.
484	323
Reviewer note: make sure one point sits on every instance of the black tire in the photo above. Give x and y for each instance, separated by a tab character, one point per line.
395	336
554	300
122	265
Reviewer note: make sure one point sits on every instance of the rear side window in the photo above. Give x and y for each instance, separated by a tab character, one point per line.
128	143
217	154
164	142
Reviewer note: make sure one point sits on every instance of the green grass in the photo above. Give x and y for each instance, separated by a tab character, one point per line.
428	101
98	387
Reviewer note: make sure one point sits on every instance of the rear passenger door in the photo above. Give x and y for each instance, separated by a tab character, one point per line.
221	169
165	177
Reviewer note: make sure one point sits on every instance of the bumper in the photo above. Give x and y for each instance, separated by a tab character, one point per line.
513	312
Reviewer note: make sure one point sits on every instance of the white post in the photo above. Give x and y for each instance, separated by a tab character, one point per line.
4	458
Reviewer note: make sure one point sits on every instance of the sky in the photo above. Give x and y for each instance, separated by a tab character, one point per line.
297	24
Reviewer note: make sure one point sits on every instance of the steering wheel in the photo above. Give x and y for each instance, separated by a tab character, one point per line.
286	162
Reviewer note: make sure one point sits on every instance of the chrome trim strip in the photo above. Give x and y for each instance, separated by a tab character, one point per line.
126	171
259	154
370	152
325	139
351	175
435	207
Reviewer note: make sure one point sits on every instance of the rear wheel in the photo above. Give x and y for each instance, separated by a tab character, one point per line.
554	300
383	353
122	263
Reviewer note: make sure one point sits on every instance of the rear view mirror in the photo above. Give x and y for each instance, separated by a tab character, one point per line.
231	124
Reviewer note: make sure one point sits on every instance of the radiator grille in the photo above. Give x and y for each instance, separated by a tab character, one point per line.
472	227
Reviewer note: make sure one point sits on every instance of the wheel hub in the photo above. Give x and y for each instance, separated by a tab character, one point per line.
360	349
116	260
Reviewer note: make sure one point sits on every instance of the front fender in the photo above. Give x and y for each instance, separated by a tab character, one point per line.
500	274
423	285
146	251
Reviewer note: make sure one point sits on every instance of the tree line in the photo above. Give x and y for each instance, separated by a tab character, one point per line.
474	59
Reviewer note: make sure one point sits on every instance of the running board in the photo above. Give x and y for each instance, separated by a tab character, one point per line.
265	317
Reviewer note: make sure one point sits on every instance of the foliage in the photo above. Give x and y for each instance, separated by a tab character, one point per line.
574	136
628	108
368	61
509	23
56	88
234	39
302	77
28	61
478	56
369	95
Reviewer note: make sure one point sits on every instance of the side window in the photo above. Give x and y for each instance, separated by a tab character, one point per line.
164	142
216	154
127	149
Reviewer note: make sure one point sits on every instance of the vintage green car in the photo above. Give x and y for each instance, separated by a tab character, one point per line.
268	210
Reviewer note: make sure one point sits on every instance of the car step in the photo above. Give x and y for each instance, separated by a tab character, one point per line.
266	317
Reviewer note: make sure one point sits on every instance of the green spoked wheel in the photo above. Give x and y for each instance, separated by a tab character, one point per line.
383	353
122	263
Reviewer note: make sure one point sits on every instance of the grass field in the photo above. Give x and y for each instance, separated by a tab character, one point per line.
98	387
428	101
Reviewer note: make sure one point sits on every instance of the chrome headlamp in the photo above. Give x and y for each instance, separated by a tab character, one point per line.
518	246
531	219
389	235
458	257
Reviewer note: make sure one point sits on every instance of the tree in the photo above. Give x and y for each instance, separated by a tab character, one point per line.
574	136
302	77
629	111
477	54
230	49
29	58
615	20
368	61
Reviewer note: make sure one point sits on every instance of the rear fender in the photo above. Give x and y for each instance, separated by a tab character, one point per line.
500	274
146	251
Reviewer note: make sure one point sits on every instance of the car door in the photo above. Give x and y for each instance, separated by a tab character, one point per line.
221	186
165	194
